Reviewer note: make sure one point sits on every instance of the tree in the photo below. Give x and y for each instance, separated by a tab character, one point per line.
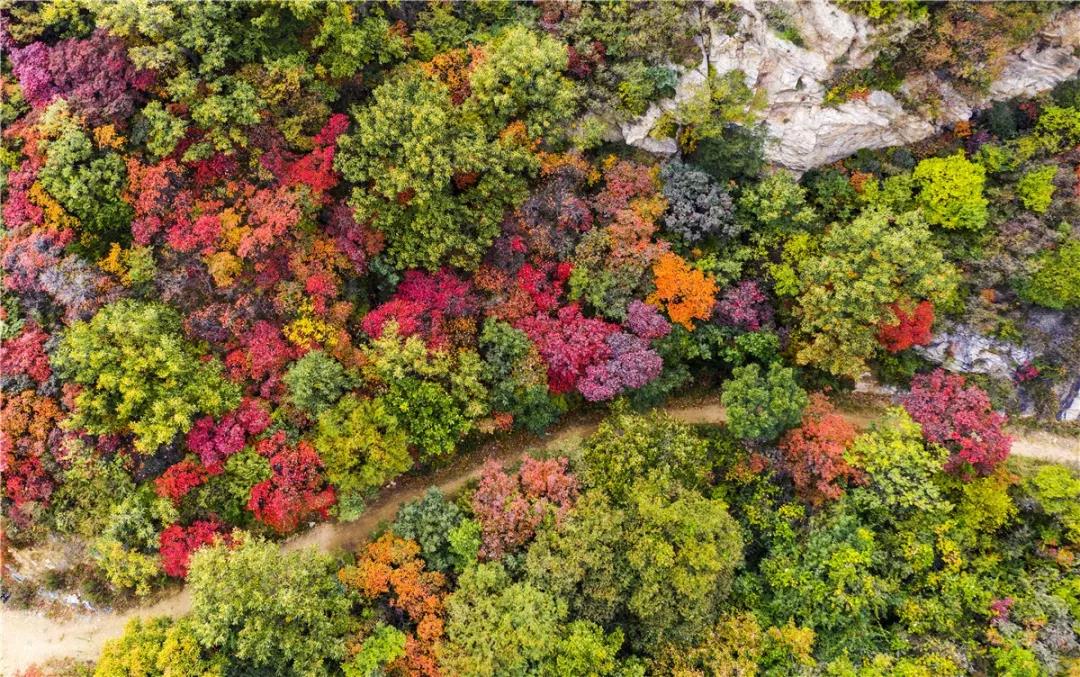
431	177
519	76
1057	493
744	306
390	570
951	192
362	446
516	376
628	446
900	468
283	613
960	418
157	647
178	543
776	205
686	293
316	381
297	488
569	344
828	582
698	208
429	521
498	627
762	406
909	328
813	453
89	184
139	374
1036	188
94	75
662	563
846	285
509	508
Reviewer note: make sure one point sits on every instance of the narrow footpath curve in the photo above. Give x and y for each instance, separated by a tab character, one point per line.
27	637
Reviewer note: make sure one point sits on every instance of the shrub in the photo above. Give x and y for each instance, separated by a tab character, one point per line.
1056	280
1036	188
951	192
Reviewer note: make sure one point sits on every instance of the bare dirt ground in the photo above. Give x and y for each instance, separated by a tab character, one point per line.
27	637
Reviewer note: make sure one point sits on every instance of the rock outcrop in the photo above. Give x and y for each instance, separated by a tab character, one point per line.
804	132
960	348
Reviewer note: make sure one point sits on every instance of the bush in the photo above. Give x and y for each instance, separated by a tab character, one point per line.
1056	280
951	192
1036	188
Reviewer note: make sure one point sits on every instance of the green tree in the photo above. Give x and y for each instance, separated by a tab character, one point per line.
88	183
826	581
430	521
664	562
157	647
497	627
848	281
316	381
268	611
762	406
521	78
776	205
382	647
1057	492
139	374
901	467
363	447
430	175
1056	280
1036	188
628	446
517	377
951	192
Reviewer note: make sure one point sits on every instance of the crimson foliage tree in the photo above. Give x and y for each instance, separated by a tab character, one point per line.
961	418
296	491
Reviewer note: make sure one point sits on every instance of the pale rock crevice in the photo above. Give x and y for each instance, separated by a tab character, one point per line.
803	131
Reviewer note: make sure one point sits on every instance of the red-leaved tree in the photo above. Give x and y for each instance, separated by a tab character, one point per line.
909	329
215	442
569	344
179	479
960	418
177	543
511	507
813	453
296	491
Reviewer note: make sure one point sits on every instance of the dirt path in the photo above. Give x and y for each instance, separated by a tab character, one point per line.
29	637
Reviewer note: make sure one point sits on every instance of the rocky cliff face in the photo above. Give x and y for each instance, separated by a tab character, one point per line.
803	131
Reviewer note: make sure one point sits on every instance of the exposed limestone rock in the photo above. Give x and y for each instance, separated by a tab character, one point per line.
803	131
1070	408
962	349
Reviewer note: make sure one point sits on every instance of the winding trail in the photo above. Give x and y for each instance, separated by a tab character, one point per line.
27	637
